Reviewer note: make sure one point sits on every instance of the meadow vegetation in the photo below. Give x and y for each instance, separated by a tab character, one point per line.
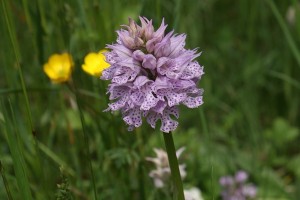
57	143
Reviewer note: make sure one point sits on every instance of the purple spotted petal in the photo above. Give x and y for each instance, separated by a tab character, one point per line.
111	57
193	102
152	119
117	105
133	117
127	75
193	70
118	91
159	107
150	101
109	73
168	124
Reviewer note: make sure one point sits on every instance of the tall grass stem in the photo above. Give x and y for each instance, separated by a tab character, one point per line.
5	182
291	42
12	36
86	140
206	132
177	13
11	135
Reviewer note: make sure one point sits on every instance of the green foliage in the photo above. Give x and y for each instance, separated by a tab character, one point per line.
281	134
15	147
5	182
249	120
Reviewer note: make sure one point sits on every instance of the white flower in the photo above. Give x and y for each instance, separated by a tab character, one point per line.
193	194
291	14
162	172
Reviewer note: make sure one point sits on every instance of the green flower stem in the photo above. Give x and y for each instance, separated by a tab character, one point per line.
170	147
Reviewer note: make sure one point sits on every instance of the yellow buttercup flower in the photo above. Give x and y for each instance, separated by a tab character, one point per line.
59	67
94	63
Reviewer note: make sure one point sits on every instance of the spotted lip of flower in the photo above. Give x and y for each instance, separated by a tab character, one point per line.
59	67
94	63
151	74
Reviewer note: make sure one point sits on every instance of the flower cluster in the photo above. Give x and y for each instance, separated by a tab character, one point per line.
151	74
162	173
235	188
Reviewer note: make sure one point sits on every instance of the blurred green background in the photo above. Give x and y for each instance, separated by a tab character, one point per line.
249	119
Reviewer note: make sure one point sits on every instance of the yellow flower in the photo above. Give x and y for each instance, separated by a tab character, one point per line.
94	63
59	67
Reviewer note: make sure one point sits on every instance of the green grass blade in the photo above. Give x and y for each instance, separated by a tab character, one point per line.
7	91
5	182
158	9
86	141
285	78
56	159
27	13
287	34
205	130
16	153
12	37
16	50
177	14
